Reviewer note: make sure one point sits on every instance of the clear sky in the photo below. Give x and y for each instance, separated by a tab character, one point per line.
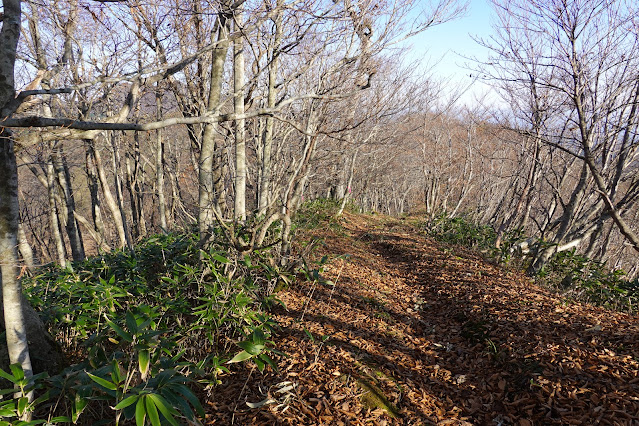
444	46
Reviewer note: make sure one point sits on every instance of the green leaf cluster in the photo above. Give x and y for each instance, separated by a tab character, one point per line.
581	278
149	325
318	213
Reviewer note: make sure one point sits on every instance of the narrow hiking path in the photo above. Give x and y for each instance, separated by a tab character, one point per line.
442	335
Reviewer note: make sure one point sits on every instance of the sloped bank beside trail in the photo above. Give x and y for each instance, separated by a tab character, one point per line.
406	331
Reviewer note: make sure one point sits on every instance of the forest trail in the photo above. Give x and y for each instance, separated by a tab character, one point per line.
448	339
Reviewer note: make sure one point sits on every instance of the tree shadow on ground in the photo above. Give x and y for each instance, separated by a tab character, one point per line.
450	336
534	357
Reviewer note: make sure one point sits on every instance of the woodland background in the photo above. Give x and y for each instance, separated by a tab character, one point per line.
130	119
288	101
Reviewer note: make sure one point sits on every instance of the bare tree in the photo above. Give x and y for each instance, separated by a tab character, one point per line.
569	71
14	321
86	69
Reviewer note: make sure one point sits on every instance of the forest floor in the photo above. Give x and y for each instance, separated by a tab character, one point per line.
409	331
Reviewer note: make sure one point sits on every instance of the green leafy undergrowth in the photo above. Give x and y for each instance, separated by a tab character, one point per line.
583	279
465	232
144	327
318	213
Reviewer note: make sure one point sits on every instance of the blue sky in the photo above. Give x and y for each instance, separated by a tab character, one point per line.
444	45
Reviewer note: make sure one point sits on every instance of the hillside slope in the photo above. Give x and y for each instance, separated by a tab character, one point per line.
442	337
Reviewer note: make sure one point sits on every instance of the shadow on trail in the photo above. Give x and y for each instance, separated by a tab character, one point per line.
368	346
458	338
522	356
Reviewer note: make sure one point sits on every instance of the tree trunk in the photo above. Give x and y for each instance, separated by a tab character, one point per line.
159	163
25	248
94	190
238	104
15	328
11	289
530	180
25	327
119	211
136	197
53	215
267	136
631	237
108	195
71	226
543	256
206	179
351	173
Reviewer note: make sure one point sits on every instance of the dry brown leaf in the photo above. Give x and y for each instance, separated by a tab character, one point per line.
545	367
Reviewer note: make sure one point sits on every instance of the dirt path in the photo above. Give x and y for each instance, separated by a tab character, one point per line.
443	336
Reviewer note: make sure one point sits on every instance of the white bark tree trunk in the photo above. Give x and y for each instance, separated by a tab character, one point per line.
159	164
108	195
71	226
206	183
238	104
25	248
267	137
11	289
94	189
54	219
